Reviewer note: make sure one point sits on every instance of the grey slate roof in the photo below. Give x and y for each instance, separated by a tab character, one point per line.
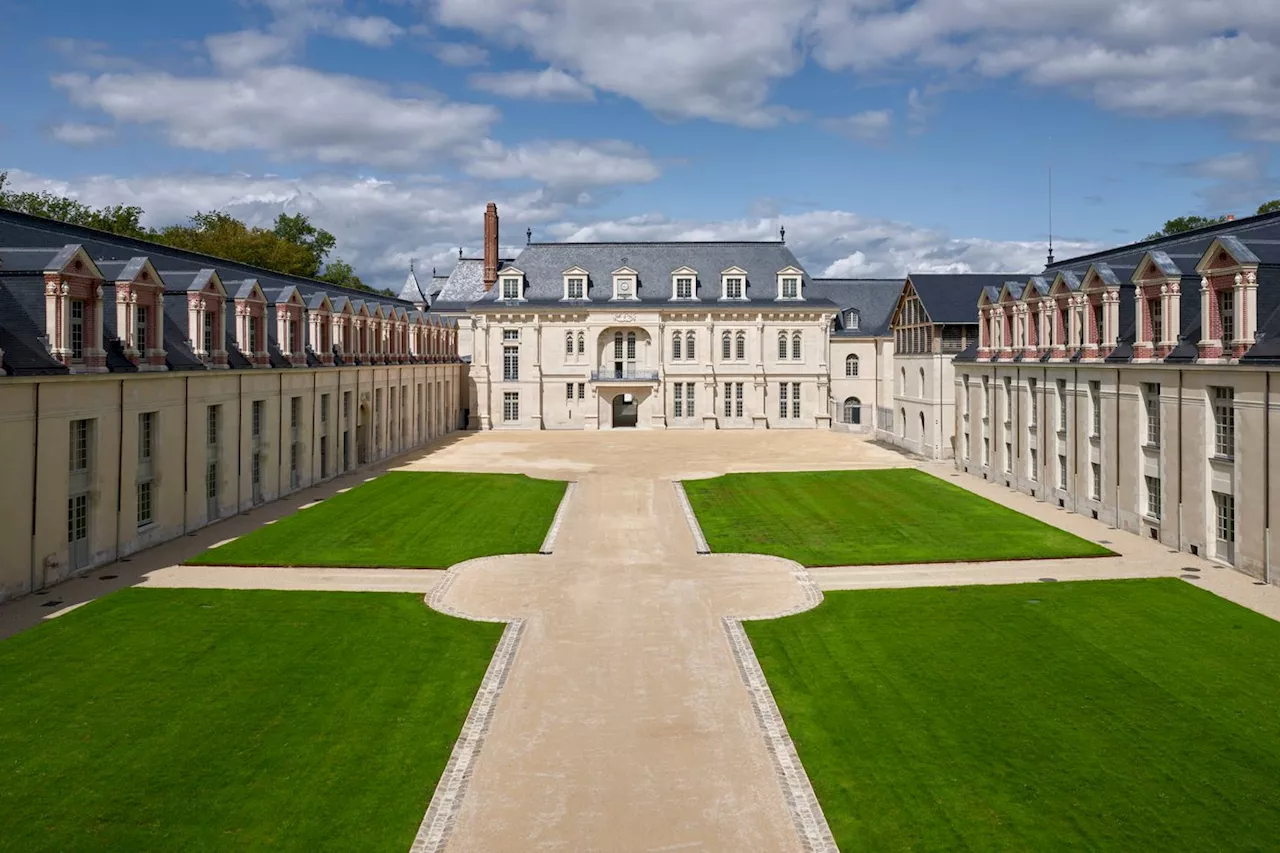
953	297
21	329
411	291
873	299
464	286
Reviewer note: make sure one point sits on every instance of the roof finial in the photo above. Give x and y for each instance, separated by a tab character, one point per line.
1050	261
411	266
528	236
782	233
459	253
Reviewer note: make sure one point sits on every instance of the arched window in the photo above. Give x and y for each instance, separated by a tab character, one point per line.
617	345
782	345
582	343
923	437
795	345
568	343
631	346
676	341
725	344
902	380
852	410
689	351
851	365
922	382
740	346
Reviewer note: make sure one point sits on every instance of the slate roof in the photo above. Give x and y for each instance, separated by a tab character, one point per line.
953	297
873	298
411	291
464	285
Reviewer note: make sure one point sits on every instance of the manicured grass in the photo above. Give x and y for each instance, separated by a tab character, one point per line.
405	520
1112	715
213	720
848	518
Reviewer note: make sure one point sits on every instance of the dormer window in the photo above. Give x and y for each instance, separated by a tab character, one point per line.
511	288
684	288
577	288
624	283
77	330
851	319
733	288
684	283
789	283
733	283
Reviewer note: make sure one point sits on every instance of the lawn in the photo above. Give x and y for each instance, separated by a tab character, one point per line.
849	518
212	720
405	520
1107	715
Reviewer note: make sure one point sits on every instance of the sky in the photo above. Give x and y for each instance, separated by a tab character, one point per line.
887	136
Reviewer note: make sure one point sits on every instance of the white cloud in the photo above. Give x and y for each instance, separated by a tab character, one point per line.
246	48
549	84
288	111
73	133
869	126
460	53
712	59
564	164
374	31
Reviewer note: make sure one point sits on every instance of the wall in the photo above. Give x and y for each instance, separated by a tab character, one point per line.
35	422
934	398
875	372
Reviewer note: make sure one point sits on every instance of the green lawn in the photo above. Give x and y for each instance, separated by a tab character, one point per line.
1113	715
848	518
406	520
213	720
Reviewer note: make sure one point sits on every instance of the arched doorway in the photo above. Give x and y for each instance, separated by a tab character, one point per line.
626	411
852	411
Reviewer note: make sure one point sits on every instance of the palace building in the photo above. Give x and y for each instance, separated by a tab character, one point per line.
147	391
1136	385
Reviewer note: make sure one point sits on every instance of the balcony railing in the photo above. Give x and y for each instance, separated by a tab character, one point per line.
625	375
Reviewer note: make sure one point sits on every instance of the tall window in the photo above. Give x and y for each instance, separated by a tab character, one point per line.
684	288
79	446
737	399
677	403
568	392
782	345
784	410
253	334
510	364
684	400
1224	422
1095	472
511	406
677	345
1033	463
146	435
256	424
1035	403
575	288
1151	401
1062	472
1095	408
582	343
688	400
1008	457
725	346
790	287
295	416
1224	506
617	346
142	324
1153	497
208	331
689	348
568	343
728	399
1007	400
733	288
795	399
146	448
1062	406
511	288
1226	312
852	410
795	346
851	365
213	420
77	329
1155	310
631	346
740	346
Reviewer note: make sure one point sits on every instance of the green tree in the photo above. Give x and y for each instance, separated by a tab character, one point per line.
1269	206
1185	223
118	219
223	236
338	271
297	229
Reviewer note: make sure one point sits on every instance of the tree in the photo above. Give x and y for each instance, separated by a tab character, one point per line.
1184	223
223	236
118	219
1269	206
297	229
338	271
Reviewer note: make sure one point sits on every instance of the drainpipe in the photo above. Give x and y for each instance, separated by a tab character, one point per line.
1180	465
1117	442
314	403
1073	490
120	468
239	434
1266	482
186	446
1017	428
35	480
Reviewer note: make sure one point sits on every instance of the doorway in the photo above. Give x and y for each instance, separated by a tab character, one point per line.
626	411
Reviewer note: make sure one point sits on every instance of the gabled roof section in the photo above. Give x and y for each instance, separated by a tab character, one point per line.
193	281
990	295
1065	281
1232	247
1011	291
287	295
130	271
248	289
1101	272
873	298
1161	263
51	259
1037	288
952	297
320	301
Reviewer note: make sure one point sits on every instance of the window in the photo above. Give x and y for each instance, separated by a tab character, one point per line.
795	399
568	391
902	380
1095	407
677	342
684	288
582	390
145	516
783	409
146	435
737	399
576	288
1151	400
568	343
1095	477
1008	457
1007	401
795	346
511	406
257	418
852	411
617	346
725	346
1034	463
678	400
1153	497
1155	309
986	445
740	346
1224	422
1225	512
141	318
688	400
689	351
851	319
922	382
324	405
1062	405
728	399
211	425
851	365
77	329
511	288
782	345
582	343
790	287
79	446
1226	312
1035	403
511	334
733	288
253	334
631	346
208	331
1062	472
510	364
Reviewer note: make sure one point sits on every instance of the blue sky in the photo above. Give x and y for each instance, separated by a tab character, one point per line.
886	136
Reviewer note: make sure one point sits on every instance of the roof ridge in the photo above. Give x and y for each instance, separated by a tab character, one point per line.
661	243
1172	239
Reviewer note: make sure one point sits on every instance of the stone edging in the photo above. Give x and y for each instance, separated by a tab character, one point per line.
446	802
548	542
699	541
806	813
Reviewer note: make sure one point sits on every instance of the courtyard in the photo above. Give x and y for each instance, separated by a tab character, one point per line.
626	713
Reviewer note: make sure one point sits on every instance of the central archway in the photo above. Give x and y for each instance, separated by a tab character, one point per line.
626	411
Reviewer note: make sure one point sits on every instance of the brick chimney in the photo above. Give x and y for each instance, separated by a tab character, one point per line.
490	246
1231	217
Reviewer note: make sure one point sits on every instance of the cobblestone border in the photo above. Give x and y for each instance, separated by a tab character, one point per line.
548	542
806	813
699	541
446	802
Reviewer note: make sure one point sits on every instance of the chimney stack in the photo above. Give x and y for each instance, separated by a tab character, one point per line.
490	246
1231	217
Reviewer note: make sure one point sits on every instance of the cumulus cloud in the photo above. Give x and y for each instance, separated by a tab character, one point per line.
869	126
564	164
373	30
288	111
549	84
74	133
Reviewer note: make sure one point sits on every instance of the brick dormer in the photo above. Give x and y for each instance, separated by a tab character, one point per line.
251	321
73	310
361	331
1228	299
1068	316
342	335
320	327
288	307
206	316
1157	288
1101	290
988	324
1035	296
140	314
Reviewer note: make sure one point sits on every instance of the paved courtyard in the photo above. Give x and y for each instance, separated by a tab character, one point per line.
624	721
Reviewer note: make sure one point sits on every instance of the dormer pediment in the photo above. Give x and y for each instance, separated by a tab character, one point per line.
625	283
735	271
624	271
1224	254
988	297
1100	276
73	260
1011	292
1153	266
249	291
685	272
574	270
1065	283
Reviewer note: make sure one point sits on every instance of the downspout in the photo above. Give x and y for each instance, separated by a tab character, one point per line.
1016	426
1073	490
1117	442
280	434
119	468
1180	460
186	447
239	435
314	403
35	480
1266	481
